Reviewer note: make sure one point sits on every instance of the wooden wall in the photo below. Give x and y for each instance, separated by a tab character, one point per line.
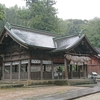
94	65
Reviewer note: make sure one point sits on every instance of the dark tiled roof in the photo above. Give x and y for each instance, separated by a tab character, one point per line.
32	37
98	49
68	42
42	39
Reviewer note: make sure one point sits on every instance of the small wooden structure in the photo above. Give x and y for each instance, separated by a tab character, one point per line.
32	54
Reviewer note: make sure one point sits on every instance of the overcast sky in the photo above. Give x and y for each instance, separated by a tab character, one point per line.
68	9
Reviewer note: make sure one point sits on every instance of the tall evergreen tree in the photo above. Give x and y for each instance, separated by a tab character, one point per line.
2	12
42	15
2	17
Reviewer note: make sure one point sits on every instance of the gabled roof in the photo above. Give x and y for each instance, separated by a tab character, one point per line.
98	49
67	43
42	39
29	37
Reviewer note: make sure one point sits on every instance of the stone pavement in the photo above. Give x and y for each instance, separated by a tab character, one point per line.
71	94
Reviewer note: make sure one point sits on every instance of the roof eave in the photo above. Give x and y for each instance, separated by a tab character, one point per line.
76	44
73	46
15	39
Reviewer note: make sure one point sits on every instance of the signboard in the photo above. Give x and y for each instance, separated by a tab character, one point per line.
24	61
35	61
15	63
47	62
7	64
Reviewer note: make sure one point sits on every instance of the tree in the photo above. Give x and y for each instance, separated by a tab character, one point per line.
93	31
2	12
71	26
2	17
11	15
42	15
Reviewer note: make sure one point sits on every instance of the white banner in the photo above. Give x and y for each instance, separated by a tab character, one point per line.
7	64
35	61
24	61
15	63
47	62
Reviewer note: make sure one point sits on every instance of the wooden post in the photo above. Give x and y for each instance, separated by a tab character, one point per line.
11	71
79	71
84	71
71	71
29	66
66	69
41	70
3	67
19	70
52	70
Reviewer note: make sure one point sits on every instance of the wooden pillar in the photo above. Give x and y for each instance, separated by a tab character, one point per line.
52	70
19	70
66	68
71	72
3	67
79	71
84	71
11	71
41	70
29	69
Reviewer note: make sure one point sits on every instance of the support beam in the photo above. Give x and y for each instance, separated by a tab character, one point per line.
66	68
11	71
29	69
71	72
41	70
3	67
84	71
19	70
52	70
79	71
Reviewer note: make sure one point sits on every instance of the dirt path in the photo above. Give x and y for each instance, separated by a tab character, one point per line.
18	93
90	97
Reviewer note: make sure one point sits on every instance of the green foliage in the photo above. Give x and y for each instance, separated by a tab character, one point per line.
93	31
11	15
2	17
61	82
2	12
43	15
1	26
71	26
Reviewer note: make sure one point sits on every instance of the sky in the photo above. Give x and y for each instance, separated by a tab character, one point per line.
68	9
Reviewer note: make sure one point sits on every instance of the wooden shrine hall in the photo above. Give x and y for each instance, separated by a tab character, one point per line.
27	54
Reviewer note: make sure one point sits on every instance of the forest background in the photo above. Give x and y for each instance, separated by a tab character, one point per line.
42	15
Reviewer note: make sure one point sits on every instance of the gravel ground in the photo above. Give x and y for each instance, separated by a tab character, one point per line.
20	93
90	97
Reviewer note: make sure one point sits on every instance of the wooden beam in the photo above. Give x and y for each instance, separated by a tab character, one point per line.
3	71
71	71
29	66
19	70
52	65
66	68
41	70
84	71
11	71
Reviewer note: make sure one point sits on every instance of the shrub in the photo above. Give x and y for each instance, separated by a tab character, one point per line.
60	82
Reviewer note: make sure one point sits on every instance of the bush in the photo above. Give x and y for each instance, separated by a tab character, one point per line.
60	82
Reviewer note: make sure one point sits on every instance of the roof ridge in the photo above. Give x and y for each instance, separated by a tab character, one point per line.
67	36
32	29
